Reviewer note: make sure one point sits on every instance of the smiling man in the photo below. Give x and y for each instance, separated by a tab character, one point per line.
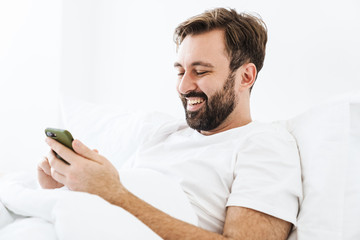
207	85
241	177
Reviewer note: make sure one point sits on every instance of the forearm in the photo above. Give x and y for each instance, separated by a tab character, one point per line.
164	225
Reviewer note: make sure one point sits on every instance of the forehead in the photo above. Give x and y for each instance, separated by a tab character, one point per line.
205	47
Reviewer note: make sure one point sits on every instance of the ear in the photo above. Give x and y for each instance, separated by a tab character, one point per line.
248	75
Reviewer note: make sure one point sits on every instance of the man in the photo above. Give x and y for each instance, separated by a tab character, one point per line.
241	177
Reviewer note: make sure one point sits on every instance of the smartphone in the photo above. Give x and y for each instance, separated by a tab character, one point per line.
62	136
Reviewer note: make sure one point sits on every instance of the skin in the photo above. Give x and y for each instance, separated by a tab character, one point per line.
93	173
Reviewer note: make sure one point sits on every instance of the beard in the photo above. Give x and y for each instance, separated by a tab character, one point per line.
216	108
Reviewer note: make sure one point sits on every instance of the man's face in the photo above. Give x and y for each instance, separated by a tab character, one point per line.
205	84
214	110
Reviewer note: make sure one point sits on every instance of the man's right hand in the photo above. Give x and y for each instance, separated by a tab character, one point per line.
44	176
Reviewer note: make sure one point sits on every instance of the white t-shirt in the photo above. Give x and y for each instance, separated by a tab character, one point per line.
255	166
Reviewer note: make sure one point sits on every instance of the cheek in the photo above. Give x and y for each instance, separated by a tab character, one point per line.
209	86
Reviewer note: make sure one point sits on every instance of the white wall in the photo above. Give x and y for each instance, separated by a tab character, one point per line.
29	74
312	55
122	52
128	56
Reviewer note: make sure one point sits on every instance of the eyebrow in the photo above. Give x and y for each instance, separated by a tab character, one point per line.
197	63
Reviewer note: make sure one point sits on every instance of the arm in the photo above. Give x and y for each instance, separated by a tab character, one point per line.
90	172
240	223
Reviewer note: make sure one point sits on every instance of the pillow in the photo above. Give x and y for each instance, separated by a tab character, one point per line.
97	126
116	133
352	190
328	138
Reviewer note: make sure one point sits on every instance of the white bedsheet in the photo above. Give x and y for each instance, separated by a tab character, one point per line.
28	212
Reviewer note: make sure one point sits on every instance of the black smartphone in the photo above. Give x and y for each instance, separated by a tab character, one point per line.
62	136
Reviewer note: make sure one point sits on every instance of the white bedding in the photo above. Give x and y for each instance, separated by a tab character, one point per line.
28	212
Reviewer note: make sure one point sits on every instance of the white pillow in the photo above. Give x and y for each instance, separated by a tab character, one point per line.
328	138
114	132
95	125
352	185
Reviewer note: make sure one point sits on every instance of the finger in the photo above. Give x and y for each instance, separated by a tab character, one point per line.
86	152
45	166
57	164
58	176
66	153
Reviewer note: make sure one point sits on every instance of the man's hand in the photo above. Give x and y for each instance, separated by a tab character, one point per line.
88	170
44	176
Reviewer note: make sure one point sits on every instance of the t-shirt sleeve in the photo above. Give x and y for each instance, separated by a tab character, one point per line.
267	175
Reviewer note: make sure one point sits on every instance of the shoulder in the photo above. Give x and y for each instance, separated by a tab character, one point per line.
265	135
267	174
269	142
276	130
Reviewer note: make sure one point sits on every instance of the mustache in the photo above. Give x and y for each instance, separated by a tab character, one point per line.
194	94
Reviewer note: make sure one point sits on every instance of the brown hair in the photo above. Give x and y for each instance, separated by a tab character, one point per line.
245	34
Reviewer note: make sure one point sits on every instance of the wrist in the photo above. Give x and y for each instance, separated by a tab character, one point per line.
120	196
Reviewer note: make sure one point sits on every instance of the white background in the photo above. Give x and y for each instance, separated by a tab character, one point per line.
122	52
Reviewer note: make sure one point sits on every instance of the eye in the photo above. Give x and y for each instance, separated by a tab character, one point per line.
180	74
201	72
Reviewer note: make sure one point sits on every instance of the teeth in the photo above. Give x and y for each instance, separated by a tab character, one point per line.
195	101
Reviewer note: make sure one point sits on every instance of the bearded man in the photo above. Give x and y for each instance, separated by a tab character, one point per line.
241	177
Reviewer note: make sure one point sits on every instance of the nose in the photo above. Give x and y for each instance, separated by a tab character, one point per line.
186	84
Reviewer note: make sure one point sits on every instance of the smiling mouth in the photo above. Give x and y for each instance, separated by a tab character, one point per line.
194	103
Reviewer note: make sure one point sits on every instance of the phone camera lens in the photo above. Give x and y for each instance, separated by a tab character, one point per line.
50	134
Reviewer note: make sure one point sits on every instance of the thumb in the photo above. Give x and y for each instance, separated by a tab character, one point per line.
84	151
